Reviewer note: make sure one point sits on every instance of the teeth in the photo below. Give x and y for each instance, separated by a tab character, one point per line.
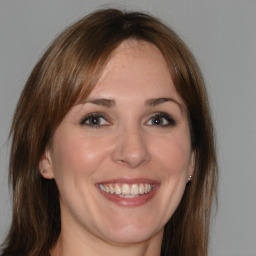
147	188
111	189
141	189
127	190
134	189
107	189
102	187
117	189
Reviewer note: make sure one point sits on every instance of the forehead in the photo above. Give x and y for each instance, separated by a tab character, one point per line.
136	67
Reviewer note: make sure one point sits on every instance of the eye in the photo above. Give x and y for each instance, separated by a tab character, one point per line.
161	119
94	120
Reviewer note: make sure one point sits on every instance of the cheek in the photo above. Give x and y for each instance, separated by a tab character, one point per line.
173	160
76	155
174	154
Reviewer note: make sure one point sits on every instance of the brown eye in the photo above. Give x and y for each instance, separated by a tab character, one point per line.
94	120
161	119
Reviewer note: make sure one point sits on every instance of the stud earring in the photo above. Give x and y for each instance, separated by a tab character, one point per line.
44	171
189	178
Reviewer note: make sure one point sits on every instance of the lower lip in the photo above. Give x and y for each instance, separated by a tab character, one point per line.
130	202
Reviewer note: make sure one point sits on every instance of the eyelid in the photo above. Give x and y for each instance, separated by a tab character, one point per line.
96	115
161	115
171	121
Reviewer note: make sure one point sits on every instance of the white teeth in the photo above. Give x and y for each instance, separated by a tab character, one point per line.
141	189
134	189
102	187
127	190
128	196
111	189
107	189
117	189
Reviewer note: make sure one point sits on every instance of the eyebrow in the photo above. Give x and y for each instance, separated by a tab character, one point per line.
102	102
150	102
157	101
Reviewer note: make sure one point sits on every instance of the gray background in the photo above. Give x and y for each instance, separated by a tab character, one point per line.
221	34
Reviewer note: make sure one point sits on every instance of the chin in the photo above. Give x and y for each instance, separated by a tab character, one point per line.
131	235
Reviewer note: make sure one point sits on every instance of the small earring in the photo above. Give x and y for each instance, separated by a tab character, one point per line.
44	171
189	178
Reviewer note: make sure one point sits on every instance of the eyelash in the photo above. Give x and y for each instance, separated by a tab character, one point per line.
89	118
165	120
164	117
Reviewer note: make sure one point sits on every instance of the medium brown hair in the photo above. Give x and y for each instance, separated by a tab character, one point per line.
67	72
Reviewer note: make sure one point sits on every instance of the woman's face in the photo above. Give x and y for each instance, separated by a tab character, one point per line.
122	157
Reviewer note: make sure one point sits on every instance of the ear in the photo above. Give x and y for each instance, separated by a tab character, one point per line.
191	167
46	166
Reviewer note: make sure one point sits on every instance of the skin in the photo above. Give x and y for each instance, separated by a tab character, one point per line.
130	140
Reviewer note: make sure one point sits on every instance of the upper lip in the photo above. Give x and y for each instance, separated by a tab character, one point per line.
129	181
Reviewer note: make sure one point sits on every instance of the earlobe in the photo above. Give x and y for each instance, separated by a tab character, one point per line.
45	166
191	167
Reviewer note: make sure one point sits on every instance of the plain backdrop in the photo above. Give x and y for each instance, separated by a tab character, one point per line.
222	36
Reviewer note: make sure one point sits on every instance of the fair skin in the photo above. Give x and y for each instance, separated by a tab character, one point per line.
121	159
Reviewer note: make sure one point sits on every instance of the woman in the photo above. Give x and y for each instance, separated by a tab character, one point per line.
112	145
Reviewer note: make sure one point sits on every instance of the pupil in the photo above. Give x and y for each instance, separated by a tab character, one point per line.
94	120
157	121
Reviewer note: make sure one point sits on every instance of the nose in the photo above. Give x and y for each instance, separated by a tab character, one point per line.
131	148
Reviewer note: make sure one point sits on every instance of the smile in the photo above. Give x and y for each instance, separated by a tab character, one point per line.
127	190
